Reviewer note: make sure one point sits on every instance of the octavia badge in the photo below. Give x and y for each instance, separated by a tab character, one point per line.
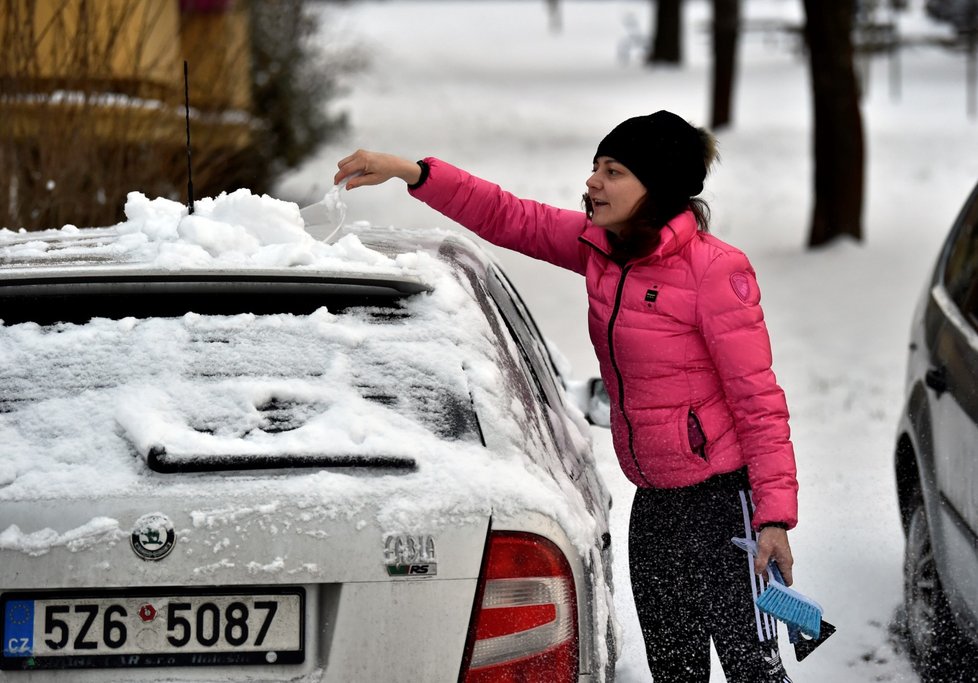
152	536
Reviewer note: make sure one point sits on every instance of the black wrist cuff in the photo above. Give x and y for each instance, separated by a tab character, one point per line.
425	170
779	525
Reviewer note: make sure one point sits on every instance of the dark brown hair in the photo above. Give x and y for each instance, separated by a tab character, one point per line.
641	235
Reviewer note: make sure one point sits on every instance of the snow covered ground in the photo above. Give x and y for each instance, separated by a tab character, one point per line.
489	86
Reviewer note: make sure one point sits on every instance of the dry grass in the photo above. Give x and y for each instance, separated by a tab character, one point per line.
92	105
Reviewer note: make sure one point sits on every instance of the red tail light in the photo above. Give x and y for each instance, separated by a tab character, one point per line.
525	629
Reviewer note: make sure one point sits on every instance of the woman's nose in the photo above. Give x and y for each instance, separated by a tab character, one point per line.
592	182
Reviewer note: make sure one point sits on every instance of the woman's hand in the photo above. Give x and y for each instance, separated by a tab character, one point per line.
373	168
772	544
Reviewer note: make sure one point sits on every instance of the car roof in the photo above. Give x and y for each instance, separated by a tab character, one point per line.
82	253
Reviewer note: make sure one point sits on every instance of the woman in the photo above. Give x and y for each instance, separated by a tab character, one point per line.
699	423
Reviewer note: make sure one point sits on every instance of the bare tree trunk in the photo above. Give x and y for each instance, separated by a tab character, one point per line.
667	47
726	20
838	146
553	13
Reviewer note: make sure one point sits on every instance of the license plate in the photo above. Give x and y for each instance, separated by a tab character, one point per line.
185	627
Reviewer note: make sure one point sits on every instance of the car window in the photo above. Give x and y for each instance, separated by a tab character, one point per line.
229	382
961	270
512	358
525	330
541	368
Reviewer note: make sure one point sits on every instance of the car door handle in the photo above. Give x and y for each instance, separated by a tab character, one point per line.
936	379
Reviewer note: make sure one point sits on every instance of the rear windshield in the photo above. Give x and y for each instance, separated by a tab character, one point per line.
220	375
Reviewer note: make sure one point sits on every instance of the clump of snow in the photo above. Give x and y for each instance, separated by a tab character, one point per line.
233	230
36	543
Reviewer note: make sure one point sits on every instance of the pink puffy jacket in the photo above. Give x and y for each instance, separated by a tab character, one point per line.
679	335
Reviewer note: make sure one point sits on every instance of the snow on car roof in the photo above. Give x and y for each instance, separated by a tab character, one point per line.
235	231
86	403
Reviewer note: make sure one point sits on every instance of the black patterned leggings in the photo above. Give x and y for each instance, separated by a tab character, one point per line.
692	584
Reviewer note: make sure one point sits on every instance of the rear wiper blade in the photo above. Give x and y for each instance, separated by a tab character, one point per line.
165	463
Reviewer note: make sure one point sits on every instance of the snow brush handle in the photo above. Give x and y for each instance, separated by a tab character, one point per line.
774	574
750	547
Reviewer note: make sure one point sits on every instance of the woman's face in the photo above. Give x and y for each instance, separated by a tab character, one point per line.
615	194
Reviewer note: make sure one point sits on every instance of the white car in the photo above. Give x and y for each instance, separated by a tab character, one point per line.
231	451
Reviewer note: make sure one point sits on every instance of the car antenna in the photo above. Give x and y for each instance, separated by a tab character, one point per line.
186	104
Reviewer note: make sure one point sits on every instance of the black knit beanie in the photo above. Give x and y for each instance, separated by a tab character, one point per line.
663	151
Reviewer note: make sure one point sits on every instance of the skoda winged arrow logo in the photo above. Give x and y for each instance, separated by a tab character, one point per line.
152	536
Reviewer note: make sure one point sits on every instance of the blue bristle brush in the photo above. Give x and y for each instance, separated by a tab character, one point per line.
783	603
789	605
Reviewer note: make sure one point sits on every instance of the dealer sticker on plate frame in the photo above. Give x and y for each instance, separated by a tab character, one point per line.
147	628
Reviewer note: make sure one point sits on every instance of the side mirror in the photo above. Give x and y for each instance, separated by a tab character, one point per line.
591	398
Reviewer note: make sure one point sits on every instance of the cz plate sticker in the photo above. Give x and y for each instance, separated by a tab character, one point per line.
18	628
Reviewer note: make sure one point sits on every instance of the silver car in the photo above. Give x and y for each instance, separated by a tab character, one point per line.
356	466
935	462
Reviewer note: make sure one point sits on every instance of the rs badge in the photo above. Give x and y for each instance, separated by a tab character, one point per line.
407	555
152	536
